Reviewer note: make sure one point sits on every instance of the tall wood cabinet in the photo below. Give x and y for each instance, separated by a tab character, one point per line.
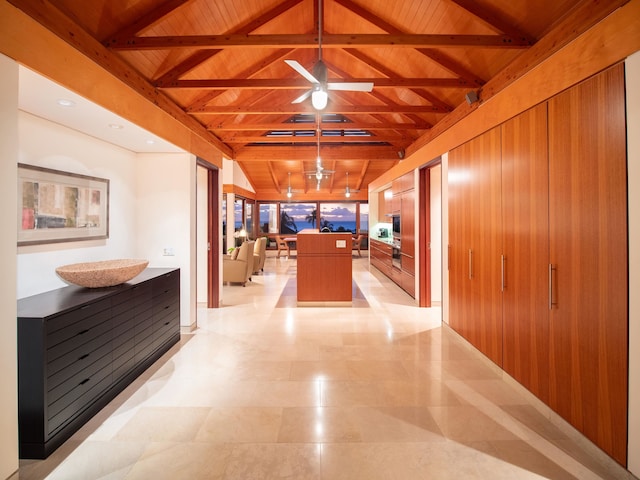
588	241
538	254
524	264
475	243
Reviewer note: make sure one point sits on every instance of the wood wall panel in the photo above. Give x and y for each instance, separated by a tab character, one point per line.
588	232
475	243
525	229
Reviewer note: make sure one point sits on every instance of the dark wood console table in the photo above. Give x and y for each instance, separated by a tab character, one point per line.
79	347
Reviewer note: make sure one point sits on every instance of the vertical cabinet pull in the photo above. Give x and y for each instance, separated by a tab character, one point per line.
470	264
551	269
502	262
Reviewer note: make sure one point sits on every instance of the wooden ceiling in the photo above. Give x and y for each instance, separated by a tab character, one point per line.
219	66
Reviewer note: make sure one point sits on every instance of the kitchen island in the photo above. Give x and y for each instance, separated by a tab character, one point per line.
324	268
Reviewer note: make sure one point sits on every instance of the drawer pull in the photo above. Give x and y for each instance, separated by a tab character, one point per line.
82	332
84	356
167	323
84	381
166	307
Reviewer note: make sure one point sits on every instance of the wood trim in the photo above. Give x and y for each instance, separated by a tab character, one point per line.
213	229
303	84
236	190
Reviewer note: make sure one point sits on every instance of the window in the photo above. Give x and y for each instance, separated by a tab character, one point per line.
268	218
339	217
297	216
364	218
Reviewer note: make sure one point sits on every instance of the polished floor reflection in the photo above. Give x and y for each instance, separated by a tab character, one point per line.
265	390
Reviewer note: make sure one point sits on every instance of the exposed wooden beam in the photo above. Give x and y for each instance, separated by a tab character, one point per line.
354	139
300	83
363	172
49	16
274	177
153	15
199	57
237	127
293	109
433	54
207	96
299	152
362	40
493	19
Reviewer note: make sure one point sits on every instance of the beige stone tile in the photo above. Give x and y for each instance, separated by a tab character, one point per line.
425	392
163	424
174	461
397	424
318	425
466	424
351	393
111	460
286	394
325	370
273	461
234	425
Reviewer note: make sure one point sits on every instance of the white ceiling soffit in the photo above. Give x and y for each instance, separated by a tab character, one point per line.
42	97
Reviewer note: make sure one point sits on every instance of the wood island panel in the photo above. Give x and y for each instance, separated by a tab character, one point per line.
324	269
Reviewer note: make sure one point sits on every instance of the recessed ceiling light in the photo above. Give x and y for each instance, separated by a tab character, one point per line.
116	126
150	142
63	102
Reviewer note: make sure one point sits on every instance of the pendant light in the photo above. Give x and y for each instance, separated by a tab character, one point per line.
347	192
289	191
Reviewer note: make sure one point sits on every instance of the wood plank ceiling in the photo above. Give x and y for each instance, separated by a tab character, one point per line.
220	67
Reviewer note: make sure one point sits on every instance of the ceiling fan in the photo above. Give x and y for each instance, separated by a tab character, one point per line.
318	79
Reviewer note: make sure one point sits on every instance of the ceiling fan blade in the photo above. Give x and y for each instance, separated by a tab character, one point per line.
301	70
302	97
351	86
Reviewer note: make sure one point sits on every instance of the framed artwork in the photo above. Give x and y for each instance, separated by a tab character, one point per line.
56	206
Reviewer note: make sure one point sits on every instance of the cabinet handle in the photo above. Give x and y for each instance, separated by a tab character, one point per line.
83	356
84	381
82	332
551	302
502	262
470	264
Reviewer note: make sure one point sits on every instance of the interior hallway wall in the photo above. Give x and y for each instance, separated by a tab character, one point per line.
632	68
8	235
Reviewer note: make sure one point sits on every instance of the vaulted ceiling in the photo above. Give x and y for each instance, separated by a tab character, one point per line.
219	67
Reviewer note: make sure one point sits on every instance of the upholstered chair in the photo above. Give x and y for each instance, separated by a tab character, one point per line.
259	254
237	268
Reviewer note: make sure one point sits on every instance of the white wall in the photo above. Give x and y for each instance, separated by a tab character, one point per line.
8	327
436	233
232	174
46	144
633	158
166	220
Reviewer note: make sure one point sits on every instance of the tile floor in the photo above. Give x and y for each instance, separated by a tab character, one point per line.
265	390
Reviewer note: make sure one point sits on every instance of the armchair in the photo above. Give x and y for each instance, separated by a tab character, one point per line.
259	254
239	269
357	241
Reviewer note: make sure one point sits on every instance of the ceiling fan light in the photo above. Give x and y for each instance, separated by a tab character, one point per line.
319	99
318	175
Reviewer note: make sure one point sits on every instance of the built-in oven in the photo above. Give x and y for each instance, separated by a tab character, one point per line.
396	258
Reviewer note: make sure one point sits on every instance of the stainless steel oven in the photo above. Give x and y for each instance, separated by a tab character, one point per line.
396	259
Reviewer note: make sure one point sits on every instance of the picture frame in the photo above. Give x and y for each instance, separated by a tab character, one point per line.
56	206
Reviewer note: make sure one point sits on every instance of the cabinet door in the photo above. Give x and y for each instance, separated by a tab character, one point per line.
588	251
475	233
407	231
525	227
